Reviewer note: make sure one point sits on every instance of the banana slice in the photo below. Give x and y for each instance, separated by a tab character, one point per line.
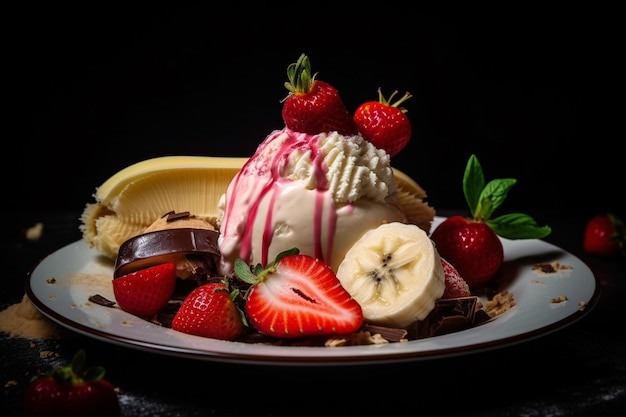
395	273
133	198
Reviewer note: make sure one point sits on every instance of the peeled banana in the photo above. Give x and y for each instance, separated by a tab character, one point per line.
132	199
395	273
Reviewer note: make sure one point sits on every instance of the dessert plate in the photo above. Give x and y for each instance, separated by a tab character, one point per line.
551	287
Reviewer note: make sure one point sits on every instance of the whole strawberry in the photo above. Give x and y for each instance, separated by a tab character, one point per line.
210	310
472	245
605	235
145	292
72	391
384	124
313	106
298	296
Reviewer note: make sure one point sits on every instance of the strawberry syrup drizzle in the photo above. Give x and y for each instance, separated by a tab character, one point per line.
262	175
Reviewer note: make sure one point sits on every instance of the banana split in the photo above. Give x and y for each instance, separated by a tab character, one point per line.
317	194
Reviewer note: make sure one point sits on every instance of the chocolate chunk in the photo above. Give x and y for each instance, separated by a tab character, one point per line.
100	300
172	216
449	315
169	245
391	334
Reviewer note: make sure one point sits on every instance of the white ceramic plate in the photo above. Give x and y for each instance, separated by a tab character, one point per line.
80	272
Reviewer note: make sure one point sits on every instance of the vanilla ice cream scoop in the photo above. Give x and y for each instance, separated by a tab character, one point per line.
319	193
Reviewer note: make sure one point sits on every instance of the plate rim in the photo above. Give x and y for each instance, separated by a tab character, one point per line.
309	359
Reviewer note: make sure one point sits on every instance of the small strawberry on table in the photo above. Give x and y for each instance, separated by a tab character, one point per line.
605	236
72	391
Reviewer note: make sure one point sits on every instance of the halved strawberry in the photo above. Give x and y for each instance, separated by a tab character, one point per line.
210	311
383	123
146	291
296	296
314	106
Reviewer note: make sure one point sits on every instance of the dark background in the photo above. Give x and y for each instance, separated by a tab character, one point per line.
533	92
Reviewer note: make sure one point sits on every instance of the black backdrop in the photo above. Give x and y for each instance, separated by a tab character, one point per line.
534	93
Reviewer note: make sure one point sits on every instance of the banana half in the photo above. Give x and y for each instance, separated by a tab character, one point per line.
135	197
395	273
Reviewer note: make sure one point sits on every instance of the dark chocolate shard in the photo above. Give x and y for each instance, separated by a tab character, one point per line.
172	216
100	300
449	315
391	334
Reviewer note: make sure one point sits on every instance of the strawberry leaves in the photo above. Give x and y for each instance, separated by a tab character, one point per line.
483	200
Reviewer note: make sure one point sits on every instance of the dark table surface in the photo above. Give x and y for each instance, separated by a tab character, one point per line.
575	371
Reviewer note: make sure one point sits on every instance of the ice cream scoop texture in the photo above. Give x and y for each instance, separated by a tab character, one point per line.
316	192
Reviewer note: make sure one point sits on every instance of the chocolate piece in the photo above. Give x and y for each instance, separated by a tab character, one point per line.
172	216
169	245
391	334
449	315
100	300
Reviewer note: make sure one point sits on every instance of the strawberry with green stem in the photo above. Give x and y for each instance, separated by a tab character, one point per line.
297	296
211	310
383	123
313	106
472	245
72	390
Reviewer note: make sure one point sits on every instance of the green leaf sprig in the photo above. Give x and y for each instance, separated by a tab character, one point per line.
483	200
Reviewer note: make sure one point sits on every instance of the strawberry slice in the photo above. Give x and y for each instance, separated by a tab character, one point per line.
297	296
314	106
145	292
210	311
384	124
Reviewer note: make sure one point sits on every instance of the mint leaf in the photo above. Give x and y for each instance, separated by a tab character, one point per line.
473	183
518	226
492	196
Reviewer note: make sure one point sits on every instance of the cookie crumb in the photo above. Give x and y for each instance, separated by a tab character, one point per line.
550	268
560	299
34	233
500	303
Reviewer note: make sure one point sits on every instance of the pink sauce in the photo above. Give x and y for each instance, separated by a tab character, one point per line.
261	178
